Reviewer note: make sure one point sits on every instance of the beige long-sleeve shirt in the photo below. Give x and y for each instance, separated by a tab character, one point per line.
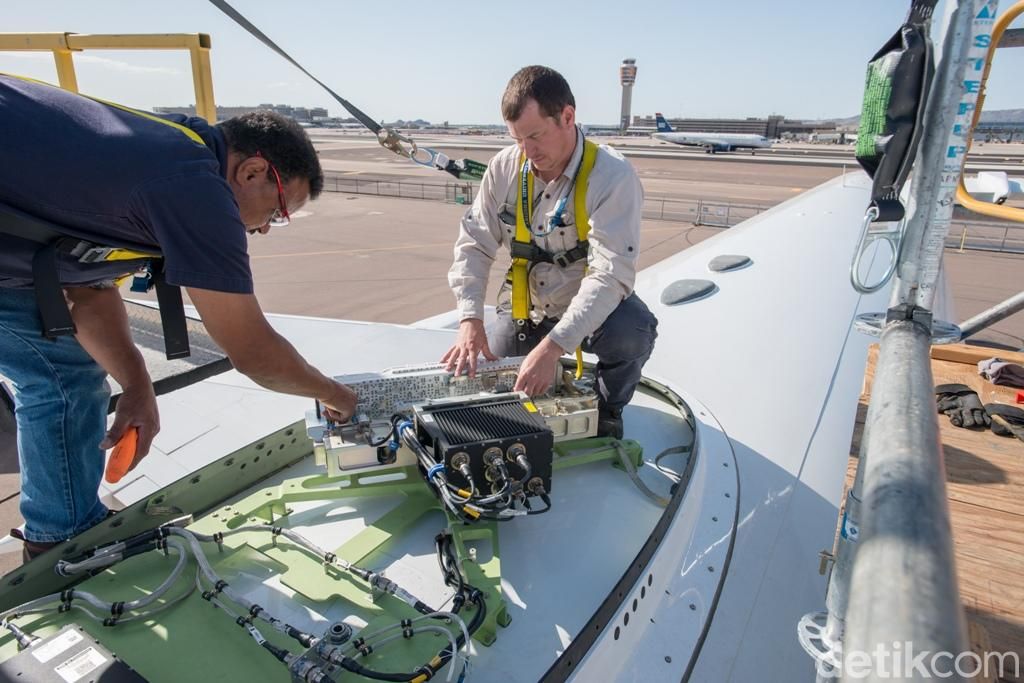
584	294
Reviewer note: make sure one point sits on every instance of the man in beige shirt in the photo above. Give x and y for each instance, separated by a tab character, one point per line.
580	292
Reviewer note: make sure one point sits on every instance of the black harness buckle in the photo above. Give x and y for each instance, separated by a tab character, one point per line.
563	259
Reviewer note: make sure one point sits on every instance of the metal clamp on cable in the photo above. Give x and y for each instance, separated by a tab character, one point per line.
892	232
394	141
910	313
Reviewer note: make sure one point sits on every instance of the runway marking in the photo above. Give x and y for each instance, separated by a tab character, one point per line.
335	252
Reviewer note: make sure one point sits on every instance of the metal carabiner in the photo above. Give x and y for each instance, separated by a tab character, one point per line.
892	235
424	156
433	158
394	141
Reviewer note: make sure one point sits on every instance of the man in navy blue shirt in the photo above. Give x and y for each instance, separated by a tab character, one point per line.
177	186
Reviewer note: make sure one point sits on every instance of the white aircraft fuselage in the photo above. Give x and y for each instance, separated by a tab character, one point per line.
711	142
716	142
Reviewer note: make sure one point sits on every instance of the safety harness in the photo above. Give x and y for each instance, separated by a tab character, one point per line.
525	254
895	92
896	88
55	239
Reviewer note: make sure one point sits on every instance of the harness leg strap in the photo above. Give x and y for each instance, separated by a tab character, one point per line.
53	307
172	316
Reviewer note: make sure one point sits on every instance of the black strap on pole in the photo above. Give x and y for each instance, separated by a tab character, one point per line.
896	90
248	26
464	169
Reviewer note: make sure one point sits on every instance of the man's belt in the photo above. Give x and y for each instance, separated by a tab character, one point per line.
534	254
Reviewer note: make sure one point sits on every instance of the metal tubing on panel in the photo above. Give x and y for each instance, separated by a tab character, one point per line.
903	587
1004	309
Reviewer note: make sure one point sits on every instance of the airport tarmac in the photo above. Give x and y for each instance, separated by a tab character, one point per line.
384	259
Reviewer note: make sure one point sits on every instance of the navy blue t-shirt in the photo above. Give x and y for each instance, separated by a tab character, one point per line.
106	175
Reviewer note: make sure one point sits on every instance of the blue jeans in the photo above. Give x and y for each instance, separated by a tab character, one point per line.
61	398
622	345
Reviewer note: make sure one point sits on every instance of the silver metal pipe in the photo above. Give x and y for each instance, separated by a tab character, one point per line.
1004	309
940	157
837	599
903	596
903	589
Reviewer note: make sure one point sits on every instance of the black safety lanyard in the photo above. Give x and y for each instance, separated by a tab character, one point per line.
890	166
527	201
248	26
463	169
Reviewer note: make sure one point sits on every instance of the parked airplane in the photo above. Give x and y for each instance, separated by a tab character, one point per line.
711	142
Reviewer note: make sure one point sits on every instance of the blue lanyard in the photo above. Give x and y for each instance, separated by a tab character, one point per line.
527	201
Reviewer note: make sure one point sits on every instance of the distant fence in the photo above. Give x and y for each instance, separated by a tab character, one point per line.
456	193
714	214
981	236
697	211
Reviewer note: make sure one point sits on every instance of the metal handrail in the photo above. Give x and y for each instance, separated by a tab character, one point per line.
903	586
962	195
63	45
988	317
894	580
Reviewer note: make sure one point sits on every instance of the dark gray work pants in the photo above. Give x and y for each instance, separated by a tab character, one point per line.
622	345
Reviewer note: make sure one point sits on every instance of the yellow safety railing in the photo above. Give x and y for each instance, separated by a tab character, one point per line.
962	195
62	45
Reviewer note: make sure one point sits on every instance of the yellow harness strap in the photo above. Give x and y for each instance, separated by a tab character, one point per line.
520	270
583	218
519	273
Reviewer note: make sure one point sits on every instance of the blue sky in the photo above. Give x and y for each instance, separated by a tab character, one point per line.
450	61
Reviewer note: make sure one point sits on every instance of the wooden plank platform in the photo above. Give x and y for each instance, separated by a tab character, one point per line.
985	484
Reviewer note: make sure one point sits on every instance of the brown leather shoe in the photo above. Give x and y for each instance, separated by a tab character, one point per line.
32	549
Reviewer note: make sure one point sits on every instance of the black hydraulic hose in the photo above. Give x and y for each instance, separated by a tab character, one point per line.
476	597
547	502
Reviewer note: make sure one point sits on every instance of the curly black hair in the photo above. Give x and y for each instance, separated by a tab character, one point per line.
280	140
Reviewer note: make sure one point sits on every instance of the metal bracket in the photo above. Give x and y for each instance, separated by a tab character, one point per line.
826	654
873	324
825	557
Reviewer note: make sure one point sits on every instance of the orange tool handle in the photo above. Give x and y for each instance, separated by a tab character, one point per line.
124	453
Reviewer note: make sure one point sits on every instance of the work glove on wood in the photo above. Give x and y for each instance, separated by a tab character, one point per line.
1006	420
961	404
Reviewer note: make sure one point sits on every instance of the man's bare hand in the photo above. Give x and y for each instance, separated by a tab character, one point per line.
471	343
537	371
340	406
135	408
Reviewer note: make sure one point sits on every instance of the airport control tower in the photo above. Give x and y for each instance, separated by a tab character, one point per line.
627	76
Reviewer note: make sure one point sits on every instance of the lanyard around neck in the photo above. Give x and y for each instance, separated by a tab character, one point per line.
526	198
